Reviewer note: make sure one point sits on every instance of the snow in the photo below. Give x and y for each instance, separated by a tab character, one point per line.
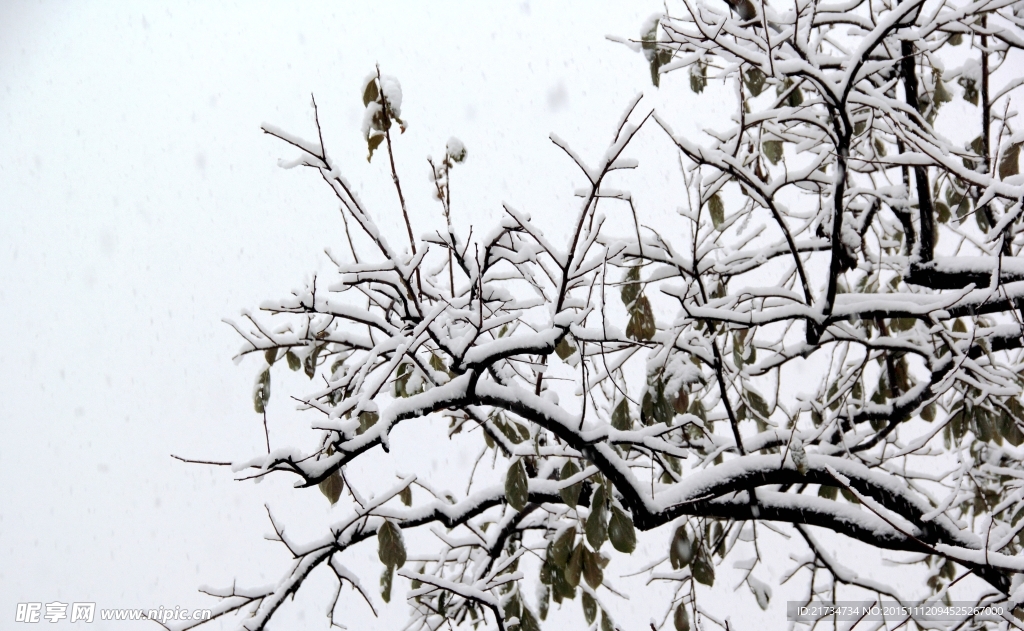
392	91
311	147
971	70
456	148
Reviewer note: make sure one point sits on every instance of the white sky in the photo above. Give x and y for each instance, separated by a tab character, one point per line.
140	204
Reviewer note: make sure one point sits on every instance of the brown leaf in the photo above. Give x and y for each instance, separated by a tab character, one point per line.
620	416
680	551
703	568
589	608
516	486
331	487
641	326
592	572
681	620
621	531
597	522
261	393
571	494
574	568
390	547
1009	164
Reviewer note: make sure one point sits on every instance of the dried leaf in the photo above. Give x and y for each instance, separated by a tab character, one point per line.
331	487
941	94
1009	164
574	568
641	320
928	413
400	385
526	620
620	416
386	579
589	608
680	551
753	78
597	522
512	430
370	92
606	622
631	286
970	87
697	409
571	494
762	592
621	531
592	572
648	40
796	98
681	401
564	348
338	363
680	619
772	150
659	59
703	568
981	218
978	145
698	77
261	393
1010	426
309	364
655	407
757	404
372	143
737	354
438	364
717	539
366	421
849	496
390	547
516	486
902	324
562	548
717	210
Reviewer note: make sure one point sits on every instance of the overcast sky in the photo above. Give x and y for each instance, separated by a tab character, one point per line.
140	204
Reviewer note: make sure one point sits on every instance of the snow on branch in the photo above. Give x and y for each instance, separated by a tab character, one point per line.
837	303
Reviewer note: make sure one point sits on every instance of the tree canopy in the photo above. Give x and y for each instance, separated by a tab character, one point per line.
825	339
